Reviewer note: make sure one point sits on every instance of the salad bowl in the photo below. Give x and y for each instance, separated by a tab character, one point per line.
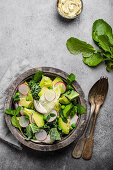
66	140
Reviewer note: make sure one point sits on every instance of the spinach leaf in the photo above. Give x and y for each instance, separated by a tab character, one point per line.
70	78
15	123
100	27
34	128
76	46
54	134
38	76
104	43
16	97
9	112
80	109
93	60
28	132
18	110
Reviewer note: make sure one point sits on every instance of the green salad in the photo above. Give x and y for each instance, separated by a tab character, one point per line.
45	109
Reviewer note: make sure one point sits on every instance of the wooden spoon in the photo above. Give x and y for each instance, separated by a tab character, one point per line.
101	92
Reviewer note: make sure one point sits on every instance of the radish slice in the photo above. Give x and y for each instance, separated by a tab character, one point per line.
53	118
48	140
74	120
23	88
50	95
35	141
63	87
41	136
23	121
39	107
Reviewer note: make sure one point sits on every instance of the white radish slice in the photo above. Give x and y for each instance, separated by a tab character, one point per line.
41	136
50	95
48	140
35	141
23	88
63	87
39	107
74	120
53	118
23	121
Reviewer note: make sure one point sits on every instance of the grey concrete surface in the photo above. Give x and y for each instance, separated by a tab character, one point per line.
32	29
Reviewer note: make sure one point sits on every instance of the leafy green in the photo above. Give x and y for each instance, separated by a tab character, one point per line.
104	43
16	97
29	133
13	112
34	128
70	78
54	134
52	115
80	109
73	111
93	60
62	116
76	46
35	89
38	76
69	87
100	27
109	65
15	123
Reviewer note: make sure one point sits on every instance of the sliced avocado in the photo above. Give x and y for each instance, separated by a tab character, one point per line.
57	79
30	96
46	81
63	100
71	94
64	126
25	103
67	110
38	119
43	90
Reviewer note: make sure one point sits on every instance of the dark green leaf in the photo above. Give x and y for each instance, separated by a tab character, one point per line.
52	114
69	87
70	78
73	111
28	132
100	27
18	110
54	134
16	97
48	117
64	119
109	65
93	60
34	128
104	43
80	109
76	46
38	76
60	112
9	112
35	89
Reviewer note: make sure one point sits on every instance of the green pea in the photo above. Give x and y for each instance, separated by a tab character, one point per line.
50	87
62	107
34	138
57	117
45	117
27	98
73	125
27	117
70	128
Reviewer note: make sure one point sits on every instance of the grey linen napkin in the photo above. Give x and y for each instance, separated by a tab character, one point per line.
17	67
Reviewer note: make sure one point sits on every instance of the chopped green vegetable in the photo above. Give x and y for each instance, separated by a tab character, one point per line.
73	125
70	78
73	111
69	87
67	110
16	97
54	134
70	128
38	76
62	107
80	109
72	94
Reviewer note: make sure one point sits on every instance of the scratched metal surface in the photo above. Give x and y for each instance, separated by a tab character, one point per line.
33	30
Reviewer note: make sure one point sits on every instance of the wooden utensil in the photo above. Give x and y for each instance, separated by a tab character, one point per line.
80	144
101	92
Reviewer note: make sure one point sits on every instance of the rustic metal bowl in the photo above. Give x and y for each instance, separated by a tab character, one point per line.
52	72
68	18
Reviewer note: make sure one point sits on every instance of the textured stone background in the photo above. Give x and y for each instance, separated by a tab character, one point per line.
32	29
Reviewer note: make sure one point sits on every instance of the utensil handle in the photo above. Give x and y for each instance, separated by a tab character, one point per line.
88	147
79	147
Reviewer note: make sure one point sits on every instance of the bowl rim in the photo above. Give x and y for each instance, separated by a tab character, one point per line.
72	18
38	146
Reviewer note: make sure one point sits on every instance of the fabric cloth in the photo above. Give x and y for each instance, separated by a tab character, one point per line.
17	67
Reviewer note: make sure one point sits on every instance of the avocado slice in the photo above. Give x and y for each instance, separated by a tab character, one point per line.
67	110
57	79
38	119
71	94
63	100
25	103
64	126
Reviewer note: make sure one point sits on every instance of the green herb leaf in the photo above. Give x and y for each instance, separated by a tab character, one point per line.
34	128
16	97
70	78
54	134
100	27
60	112
48	117
18	110
15	123
38	76
80	109
9	112
93	60
104	43
69	87
28	132
73	111
64	119
52	115
76	46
